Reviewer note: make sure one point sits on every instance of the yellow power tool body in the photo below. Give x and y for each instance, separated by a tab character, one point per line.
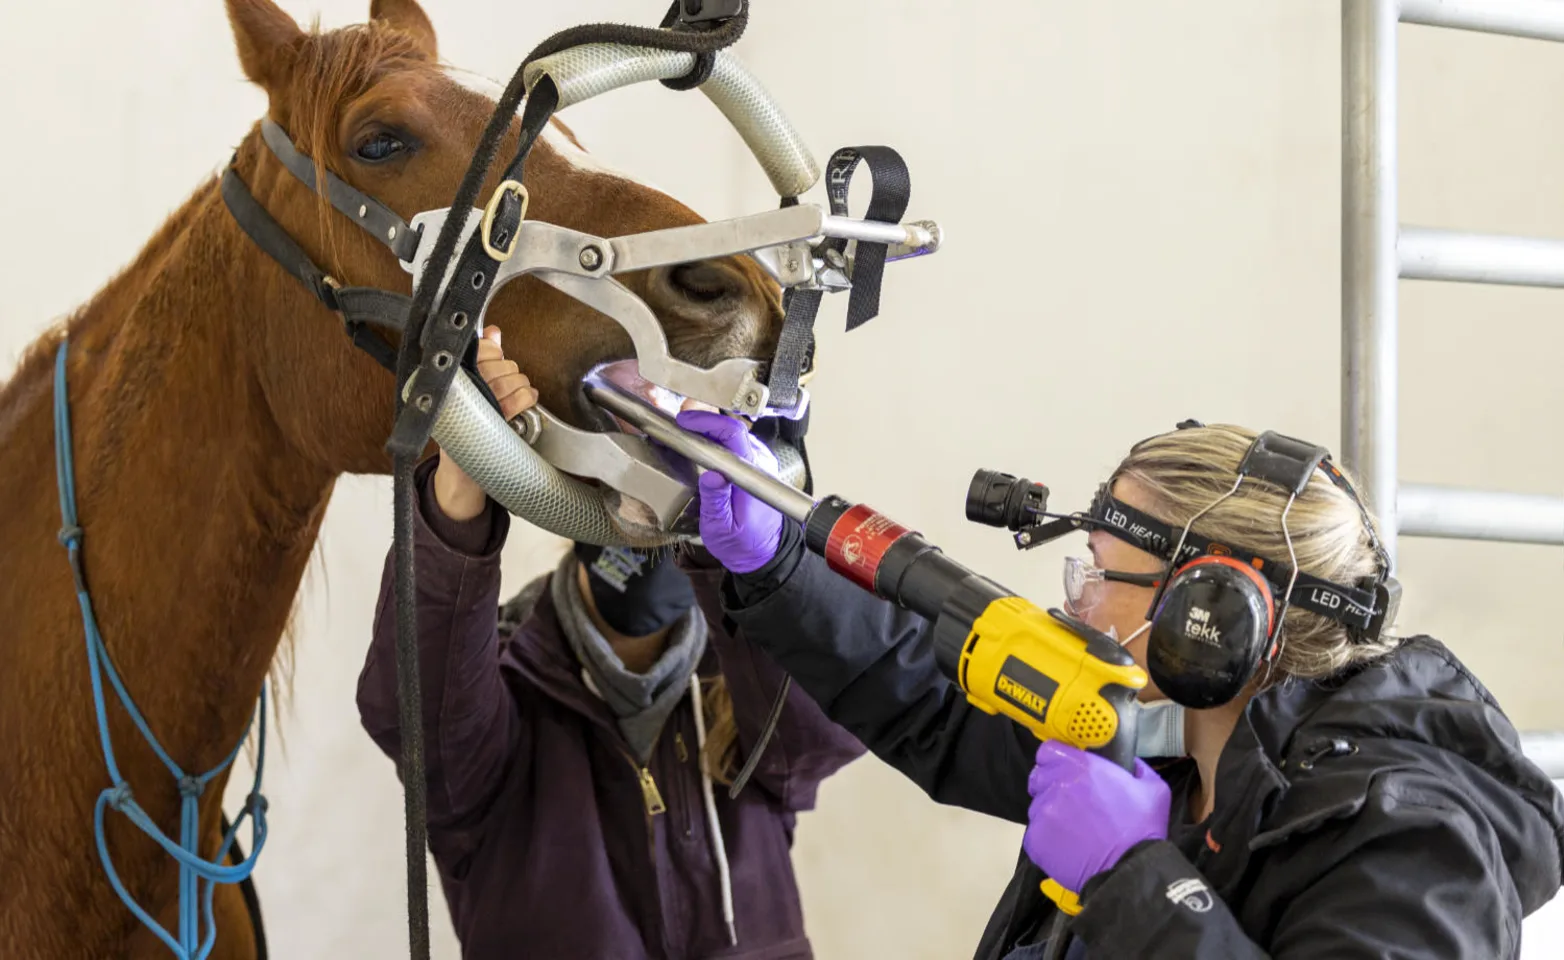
1047	671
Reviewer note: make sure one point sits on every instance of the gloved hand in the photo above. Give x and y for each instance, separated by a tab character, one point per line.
739	530
1087	812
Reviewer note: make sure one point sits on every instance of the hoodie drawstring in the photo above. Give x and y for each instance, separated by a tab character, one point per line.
715	828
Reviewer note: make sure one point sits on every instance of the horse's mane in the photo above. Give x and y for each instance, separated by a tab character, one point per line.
333	68
35	368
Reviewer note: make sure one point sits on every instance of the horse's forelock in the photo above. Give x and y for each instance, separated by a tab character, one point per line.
333	69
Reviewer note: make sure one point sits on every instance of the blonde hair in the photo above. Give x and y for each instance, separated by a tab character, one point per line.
720	756
1185	471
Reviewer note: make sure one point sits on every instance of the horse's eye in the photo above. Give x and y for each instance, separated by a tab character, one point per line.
379	148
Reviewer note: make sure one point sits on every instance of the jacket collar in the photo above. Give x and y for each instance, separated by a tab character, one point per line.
538	650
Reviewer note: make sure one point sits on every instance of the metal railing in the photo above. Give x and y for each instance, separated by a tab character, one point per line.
1377	251
1546	750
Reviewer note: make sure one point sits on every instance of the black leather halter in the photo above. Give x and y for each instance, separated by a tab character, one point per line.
361	307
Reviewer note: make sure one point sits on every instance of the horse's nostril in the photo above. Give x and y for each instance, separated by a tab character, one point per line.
704	282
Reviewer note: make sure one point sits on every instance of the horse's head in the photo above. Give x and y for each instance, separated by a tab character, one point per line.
373	104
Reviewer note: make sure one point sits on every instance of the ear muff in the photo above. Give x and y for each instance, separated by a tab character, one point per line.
1210	632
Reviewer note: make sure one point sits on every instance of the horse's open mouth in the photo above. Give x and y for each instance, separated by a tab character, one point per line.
623	376
626	375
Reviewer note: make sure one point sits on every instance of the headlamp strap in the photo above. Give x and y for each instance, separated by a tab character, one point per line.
1347	605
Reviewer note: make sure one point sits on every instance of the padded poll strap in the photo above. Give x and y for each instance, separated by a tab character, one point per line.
366	211
1284	461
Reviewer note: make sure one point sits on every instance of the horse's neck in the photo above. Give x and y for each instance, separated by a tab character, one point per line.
198	517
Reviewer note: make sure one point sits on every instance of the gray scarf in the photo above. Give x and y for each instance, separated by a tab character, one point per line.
640	701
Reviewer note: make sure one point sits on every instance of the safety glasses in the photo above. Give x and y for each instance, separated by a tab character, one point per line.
1083	580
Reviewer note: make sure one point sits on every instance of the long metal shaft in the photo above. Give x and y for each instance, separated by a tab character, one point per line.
701	451
1369	265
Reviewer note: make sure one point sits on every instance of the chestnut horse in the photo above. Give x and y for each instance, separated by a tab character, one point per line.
213	402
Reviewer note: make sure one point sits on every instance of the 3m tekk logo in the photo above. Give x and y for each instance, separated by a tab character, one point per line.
1025	687
1199	627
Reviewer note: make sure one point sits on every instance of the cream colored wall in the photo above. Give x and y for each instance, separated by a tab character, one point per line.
1141	203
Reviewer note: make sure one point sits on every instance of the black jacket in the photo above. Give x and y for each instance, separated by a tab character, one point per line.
1387	813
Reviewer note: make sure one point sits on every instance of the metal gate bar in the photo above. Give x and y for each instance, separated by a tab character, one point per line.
1429	254
1546	750
1430	511
1377	251
1538	19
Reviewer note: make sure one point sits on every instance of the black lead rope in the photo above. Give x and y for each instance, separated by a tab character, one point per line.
454	322
252	900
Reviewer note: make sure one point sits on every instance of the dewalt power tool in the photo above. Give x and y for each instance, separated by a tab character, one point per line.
1045	670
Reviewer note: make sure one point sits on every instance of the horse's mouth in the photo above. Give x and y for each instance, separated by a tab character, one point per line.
633	515
626	375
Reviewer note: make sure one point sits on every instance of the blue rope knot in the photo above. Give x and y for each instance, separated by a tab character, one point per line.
119	796
69	535
257	805
190	787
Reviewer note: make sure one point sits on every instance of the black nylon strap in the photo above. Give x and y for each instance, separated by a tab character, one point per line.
887	203
369	213
1347	605
892	189
795	345
453	329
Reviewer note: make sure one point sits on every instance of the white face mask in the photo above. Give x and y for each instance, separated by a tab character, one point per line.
1159	730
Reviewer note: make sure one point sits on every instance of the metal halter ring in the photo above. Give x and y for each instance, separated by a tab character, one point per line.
508	186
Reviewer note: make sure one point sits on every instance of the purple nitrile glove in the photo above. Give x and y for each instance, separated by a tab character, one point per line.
1087	812
739	530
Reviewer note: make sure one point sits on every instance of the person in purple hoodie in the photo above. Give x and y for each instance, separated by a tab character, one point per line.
580	740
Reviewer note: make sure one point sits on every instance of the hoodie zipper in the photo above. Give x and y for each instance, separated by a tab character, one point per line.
653	806
650	793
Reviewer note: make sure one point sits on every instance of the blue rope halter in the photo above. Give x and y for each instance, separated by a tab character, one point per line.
192	869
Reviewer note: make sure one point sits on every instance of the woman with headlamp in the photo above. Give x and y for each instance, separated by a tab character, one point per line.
1337	791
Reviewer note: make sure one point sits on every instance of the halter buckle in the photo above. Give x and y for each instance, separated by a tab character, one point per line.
512	187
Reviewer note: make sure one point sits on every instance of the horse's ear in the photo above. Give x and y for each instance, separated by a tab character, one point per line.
267	39
408	17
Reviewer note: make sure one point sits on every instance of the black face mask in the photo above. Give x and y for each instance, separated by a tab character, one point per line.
636	593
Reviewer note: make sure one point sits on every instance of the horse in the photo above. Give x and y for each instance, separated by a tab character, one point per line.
213	403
